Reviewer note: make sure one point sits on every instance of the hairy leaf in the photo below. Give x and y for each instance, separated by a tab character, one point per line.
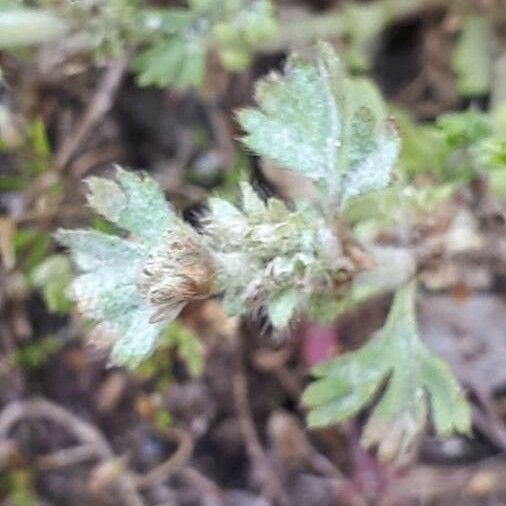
281	307
321	124
268	256
106	291
413	376
132	202
128	284
137	336
298	123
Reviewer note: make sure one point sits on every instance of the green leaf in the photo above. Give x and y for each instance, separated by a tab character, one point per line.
472	57
319	123
450	412
424	149
252	204
132	202
497	182
239	27
110	267
176	61
365	175
52	277
96	251
106	291
413	376
363	23
164	22
455	148
177	40
281	307
298	123
36	354
137	336
464	128
226	219
31	247
188	346
134	286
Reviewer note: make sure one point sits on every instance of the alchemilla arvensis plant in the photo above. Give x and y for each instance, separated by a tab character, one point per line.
292	259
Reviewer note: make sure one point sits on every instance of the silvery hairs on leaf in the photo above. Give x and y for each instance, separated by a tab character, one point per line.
320	123
117	284
414	378
267	255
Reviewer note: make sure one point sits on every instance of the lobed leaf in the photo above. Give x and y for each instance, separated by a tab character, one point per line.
413	376
177	40
132	202
106	290
95	251
298	123
110	267
137	336
319	123
177	60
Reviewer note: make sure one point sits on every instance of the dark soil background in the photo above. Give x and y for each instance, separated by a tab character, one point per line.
75	432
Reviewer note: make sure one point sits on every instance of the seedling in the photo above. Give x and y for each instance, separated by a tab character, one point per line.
301	258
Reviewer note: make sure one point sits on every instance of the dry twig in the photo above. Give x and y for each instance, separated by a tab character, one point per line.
262	467
97	108
89	435
210	493
174	464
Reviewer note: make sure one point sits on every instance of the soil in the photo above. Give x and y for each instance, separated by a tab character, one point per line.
75	432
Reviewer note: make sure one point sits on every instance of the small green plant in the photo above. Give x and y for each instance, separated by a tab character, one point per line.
17	487
294	258
29	146
168	45
187	347
457	148
177	54
396	356
52	277
35	355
